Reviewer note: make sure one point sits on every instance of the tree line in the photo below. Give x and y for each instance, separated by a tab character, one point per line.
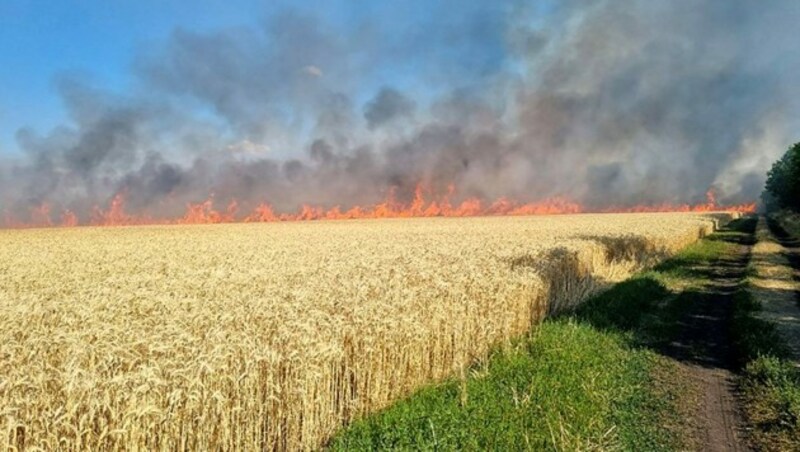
782	189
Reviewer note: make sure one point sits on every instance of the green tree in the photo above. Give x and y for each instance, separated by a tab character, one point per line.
783	181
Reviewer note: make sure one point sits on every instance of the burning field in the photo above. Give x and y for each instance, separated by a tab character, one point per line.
241	227
273	336
422	205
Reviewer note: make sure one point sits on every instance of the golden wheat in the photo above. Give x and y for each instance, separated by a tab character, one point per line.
272	336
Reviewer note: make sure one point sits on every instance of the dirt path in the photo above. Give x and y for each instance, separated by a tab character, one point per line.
775	283
703	348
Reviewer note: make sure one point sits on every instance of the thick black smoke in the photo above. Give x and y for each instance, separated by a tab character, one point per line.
606	102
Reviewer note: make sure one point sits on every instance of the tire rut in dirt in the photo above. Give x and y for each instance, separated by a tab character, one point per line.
703	346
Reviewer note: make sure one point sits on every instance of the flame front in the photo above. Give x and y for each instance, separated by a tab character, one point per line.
422	205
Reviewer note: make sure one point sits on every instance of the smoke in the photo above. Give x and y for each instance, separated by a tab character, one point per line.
606	102
387	105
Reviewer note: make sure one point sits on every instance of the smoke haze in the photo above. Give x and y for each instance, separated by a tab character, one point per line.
604	102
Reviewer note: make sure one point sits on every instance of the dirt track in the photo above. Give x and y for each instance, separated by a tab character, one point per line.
703	349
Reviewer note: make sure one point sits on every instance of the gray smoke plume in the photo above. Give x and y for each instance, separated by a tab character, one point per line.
387	105
606	102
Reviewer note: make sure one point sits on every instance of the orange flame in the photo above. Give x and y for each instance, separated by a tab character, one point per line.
710	206
204	212
41	215
262	213
114	216
69	219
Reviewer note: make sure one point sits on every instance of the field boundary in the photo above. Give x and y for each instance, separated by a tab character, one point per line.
667	388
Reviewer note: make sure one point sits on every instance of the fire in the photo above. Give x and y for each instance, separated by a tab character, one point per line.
423	204
41	215
204	212
69	219
114	216
709	206
262	213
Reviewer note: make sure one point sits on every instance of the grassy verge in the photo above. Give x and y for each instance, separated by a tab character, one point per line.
570	387
589	380
790	221
770	381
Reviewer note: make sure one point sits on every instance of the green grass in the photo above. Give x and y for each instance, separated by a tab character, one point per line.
569	387
790	221
769	380
688	267
589	380
771	386
753	337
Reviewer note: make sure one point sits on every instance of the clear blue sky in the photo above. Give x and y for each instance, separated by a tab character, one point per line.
41	40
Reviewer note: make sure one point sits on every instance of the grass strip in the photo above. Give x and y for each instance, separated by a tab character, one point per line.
571	386
770	381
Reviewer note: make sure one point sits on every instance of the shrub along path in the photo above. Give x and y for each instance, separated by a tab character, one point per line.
647	365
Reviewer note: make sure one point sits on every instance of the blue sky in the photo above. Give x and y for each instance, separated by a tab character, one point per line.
98	42
40	40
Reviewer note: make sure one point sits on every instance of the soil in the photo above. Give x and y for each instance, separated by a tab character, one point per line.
703	349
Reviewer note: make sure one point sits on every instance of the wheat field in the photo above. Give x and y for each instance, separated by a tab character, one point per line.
273	336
